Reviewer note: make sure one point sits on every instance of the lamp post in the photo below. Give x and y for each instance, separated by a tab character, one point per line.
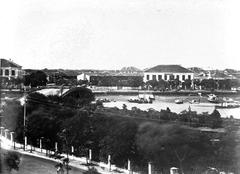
40	143
24	103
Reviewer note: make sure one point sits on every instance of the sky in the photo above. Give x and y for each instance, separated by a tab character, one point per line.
111	34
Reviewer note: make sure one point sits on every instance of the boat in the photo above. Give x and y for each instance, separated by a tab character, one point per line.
212	98
195	101
104	100
142	98
228	105
139	100
148	96
228	100
178	101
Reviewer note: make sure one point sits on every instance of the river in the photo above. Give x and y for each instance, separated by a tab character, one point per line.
162	102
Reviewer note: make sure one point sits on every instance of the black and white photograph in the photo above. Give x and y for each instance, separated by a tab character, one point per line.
119	87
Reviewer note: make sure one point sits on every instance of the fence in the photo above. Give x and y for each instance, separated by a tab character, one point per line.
7	142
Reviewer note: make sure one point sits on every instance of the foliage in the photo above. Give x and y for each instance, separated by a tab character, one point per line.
11	114
35	79
187	84
113	132
12	160
78	128
174	143
132	81
160	85
119	142
208	84
42	124
78	97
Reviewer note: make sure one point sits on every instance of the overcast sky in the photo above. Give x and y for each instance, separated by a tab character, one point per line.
110	34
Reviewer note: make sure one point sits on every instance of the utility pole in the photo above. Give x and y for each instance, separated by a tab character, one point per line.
1	71
1	96
24	121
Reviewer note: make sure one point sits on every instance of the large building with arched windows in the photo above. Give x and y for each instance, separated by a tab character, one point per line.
167	72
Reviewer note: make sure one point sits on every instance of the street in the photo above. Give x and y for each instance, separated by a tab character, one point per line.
34	165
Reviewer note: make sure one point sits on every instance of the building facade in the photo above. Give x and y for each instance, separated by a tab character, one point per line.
112	79
9	69
168	72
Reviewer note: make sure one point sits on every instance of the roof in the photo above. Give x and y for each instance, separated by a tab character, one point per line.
168	69
113	74
8	63
220	75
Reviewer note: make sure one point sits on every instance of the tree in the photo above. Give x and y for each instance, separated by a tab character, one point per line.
79	97
78	128
119	142
177	145
10	161
208	84
37	78
135	81
161	84
215	119
41	123
187	83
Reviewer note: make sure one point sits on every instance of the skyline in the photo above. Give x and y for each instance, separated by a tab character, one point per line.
119	68
101	34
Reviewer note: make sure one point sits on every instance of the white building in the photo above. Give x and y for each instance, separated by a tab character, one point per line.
168	72
9	69
84	76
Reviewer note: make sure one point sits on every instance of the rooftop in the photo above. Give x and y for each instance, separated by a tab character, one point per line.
168	69
8	63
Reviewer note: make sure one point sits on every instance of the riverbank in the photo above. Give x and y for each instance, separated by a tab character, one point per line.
136	92
166	93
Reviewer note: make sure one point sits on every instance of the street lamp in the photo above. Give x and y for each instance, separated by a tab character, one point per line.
23	102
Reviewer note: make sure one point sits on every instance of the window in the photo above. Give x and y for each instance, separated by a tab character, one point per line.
1	72
189	77
147	77
165	77
183	77
171	77
178	77
13	73
159	77
154	77
7	72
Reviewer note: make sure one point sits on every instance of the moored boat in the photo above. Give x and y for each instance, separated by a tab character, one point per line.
178	101
104	100
139	100
142	98
228	105
212	98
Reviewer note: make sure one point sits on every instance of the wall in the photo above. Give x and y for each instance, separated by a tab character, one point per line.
168	76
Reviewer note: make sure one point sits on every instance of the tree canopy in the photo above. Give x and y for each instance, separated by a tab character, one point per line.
35	79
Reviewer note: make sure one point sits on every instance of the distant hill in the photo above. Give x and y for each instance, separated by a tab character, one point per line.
130	69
